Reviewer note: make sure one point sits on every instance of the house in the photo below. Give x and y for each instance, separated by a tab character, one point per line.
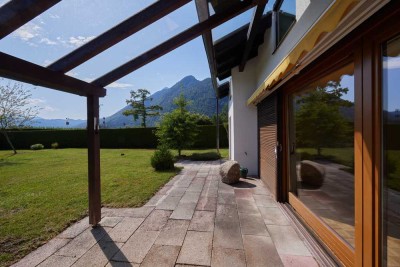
312	113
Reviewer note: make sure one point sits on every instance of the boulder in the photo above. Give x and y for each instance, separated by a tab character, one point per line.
230	172
312	173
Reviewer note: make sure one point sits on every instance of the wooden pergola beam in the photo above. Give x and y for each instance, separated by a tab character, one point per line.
16	13
203	13
173	43
116	34
252	32
24	71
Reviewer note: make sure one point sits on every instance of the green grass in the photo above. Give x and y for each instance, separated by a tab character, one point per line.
223	151
44	191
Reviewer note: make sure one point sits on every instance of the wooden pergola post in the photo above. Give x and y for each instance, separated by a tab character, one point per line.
93	159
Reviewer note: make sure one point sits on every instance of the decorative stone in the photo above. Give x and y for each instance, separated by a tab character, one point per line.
230	172
312	173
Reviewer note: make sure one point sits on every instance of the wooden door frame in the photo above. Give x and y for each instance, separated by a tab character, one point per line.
367	60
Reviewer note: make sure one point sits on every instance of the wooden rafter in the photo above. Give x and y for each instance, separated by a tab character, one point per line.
203	14
16	13
24	71
116	34
173	43
252	32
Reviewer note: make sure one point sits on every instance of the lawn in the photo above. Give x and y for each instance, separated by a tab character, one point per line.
42	192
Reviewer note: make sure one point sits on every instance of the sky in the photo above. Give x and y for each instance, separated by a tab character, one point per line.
70	24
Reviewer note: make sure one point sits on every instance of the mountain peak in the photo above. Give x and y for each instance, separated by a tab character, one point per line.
188	80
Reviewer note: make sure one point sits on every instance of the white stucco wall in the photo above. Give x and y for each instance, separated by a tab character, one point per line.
243	121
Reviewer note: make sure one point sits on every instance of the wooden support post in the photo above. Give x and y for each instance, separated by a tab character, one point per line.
217	122
93	159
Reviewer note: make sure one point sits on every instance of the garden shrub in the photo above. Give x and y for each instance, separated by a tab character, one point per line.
207	156
54	145
162	159
37	147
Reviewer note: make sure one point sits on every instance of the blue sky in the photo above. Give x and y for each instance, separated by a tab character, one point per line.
71	23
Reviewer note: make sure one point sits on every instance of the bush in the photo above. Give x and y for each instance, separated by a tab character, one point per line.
205	156
54	145
37	147
162	159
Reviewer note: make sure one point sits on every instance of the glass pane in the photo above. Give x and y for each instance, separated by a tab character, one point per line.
286	17
322	149
391	152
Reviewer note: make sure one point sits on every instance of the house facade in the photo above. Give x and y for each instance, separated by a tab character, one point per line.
315	114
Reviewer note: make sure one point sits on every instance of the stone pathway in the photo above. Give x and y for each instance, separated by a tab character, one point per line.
194	220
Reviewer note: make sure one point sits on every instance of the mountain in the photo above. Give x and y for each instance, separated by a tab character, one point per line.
56	123
200	93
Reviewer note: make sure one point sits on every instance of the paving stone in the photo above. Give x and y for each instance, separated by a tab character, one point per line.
184	211
99	254
196	248
260	251
121	264
168	203
225	257
298	261
137	246
226	198
155	200
74	230
177	192
287	241
247	206
83	242
141	212
161	256
195	187
252	224
124	229
207	203
164	190
227	228
190	197
42	253
59	261
173	233
264	201
261	191
156	220
110	221
224	188
202	221
244	193
273	216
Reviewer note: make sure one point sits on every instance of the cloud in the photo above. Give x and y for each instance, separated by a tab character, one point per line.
36	101
71	73
392	63
28	31
79	40
49	109
119	85
54	16
48	41
172	25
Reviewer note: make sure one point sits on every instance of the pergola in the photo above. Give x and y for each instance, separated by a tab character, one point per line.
16	13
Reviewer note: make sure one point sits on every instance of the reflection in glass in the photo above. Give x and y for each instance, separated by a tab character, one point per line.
322	149
286	17
391	153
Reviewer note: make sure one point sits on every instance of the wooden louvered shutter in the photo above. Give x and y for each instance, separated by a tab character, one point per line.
267	134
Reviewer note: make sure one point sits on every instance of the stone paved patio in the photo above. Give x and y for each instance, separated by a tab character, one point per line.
194	220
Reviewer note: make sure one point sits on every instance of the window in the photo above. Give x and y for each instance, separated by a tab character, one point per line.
285	18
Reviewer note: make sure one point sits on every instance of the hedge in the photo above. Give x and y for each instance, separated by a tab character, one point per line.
109	138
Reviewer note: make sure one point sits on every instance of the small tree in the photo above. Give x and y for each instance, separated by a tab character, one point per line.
178	129
319	122
15	109
139	108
